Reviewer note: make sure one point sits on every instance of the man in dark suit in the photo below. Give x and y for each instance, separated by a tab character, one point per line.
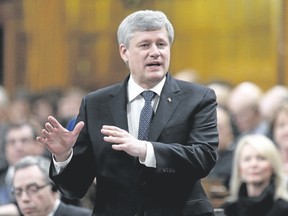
156	172
71	210
34	192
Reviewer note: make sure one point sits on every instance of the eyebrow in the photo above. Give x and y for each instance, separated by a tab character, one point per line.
28	185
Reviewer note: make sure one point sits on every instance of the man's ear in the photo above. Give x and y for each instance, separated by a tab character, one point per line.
123	52
53	187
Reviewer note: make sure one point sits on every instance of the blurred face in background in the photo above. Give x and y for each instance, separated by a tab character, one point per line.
225	129
280	132
243	104
33	194
246	118
20	142
254	168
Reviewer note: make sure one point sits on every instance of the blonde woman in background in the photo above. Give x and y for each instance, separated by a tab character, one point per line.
280	132
258	185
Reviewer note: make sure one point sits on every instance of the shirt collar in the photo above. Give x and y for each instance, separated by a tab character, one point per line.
57	203
134	89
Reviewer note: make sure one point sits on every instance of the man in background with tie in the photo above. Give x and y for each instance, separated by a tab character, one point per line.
149	168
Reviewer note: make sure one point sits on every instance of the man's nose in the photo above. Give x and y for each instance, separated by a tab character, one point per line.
24	196
154	51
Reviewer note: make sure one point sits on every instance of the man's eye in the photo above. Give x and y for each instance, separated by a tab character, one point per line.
17	192
32	188
162	45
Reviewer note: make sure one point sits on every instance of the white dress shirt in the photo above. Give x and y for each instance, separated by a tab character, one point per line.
136	103
57	203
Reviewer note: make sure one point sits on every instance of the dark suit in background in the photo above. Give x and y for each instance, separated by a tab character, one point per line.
71	210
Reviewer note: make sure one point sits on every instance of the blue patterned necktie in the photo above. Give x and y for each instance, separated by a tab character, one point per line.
146	115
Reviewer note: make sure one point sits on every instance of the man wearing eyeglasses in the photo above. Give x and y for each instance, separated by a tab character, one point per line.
34	192
19	142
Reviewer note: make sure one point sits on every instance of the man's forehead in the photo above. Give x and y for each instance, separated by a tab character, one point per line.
20	130
31	173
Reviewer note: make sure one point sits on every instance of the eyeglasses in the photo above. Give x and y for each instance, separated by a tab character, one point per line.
23	140
29	190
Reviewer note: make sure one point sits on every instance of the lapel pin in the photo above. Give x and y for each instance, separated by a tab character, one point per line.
169	100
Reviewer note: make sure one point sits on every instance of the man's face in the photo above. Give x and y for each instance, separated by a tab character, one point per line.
148	56
33	195
20	143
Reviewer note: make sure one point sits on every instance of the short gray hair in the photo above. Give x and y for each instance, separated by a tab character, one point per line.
40	161
143	20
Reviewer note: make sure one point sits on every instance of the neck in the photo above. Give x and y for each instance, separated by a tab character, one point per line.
255	189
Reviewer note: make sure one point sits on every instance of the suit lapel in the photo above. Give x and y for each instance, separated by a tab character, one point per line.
118	106
60	210
169	100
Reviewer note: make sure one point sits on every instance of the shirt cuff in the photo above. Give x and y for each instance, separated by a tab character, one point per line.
150	160
59	166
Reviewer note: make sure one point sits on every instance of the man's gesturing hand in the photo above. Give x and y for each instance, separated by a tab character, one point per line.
57	139
123	141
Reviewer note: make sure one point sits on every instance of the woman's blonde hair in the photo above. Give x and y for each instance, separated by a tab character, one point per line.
265	147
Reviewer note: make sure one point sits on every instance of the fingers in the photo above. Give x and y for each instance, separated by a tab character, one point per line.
114	134
114	131
49	130
112	128
119	147
54	122
123	141
49	127
78	127
41	140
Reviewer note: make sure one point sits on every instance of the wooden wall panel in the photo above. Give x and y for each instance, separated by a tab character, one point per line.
44	25
231	40
283	45
9	22
73	42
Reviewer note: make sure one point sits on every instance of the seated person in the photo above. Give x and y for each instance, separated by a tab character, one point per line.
279	132
222	168
19	142
258	185
34	192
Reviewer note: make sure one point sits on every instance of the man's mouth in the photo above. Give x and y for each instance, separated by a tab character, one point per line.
157	64
27	210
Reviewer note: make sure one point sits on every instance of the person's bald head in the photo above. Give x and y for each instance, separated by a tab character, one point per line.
243	103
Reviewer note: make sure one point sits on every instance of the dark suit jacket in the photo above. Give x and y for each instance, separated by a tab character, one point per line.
71	210
184	136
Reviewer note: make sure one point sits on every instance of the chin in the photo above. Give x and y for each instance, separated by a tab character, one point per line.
258	182
157	75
